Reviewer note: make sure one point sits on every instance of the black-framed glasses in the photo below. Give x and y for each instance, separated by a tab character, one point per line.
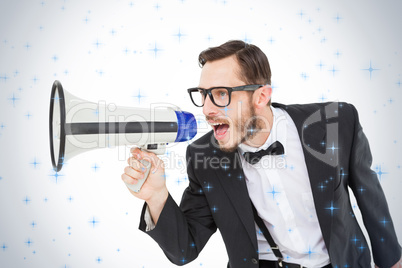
220	96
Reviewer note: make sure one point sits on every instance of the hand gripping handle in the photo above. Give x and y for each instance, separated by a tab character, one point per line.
136	187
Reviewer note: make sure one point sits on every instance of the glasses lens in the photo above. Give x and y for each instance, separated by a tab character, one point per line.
220	96
197	95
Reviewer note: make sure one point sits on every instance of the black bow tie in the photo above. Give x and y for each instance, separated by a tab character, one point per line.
275	148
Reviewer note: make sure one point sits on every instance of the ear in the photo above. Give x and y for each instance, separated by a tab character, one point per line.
262	96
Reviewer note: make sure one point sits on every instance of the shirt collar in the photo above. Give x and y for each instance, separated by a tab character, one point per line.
278	132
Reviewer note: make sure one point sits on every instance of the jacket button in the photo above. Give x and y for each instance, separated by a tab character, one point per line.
254	261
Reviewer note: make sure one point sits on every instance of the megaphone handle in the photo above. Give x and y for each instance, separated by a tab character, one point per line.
136	187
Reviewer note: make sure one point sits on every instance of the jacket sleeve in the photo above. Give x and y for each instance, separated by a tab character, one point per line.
182	232
371	201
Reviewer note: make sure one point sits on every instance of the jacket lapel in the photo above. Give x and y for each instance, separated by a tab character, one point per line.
321	163
232	179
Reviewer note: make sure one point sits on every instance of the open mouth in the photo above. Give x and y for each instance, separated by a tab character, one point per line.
220	129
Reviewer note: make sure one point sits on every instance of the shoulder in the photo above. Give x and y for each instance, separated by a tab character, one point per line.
301	112
312	107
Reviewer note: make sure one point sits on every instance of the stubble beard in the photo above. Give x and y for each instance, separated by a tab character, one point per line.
246	127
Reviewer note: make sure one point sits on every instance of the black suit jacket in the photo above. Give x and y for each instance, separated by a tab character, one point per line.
337	156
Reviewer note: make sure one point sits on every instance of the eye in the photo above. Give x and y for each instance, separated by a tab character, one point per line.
223	93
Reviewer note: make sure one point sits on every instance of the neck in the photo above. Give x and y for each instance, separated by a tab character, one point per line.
265	121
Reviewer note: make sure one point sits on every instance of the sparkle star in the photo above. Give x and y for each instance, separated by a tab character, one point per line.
29	242
343	174
56	176
337	18
380	172
95	167
355	240
323	98
333	70
139	96
178	181
5	77
362	247
27	46
321	187
332	148
26	200
246	40
370	69
179	35
321	65
214	209
273	192
384	221
208	187
225	167
14	99
301	14
332	208
225	109
35	79
304	76
93	222
155	50
97	44
35	163
309	252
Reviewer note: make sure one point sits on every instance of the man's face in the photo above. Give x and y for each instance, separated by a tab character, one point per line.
237	122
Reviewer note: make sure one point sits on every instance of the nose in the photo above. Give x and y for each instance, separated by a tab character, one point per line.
209	109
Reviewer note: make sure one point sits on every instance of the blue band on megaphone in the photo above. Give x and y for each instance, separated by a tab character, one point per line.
186	126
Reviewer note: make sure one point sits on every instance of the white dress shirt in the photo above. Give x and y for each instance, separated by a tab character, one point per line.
279	188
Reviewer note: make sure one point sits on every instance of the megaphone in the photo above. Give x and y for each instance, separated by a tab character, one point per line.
77	126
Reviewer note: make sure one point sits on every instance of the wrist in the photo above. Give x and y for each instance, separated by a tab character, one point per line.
158	199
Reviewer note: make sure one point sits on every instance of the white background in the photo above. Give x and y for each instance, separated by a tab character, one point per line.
105	50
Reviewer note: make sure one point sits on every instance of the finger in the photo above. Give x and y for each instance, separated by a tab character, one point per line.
135	174
156	163
141	154
136	152
129	180
134	163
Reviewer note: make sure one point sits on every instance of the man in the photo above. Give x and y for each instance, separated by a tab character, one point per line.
297	194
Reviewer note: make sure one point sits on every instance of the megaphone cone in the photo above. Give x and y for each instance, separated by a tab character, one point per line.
77	126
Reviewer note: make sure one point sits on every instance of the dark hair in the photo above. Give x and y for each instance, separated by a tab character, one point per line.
254	65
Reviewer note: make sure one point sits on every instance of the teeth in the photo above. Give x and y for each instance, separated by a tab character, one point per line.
214	124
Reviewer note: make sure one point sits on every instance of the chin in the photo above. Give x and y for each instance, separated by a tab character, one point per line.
228	147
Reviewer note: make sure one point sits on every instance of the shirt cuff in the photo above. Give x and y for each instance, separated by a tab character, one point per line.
148	220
